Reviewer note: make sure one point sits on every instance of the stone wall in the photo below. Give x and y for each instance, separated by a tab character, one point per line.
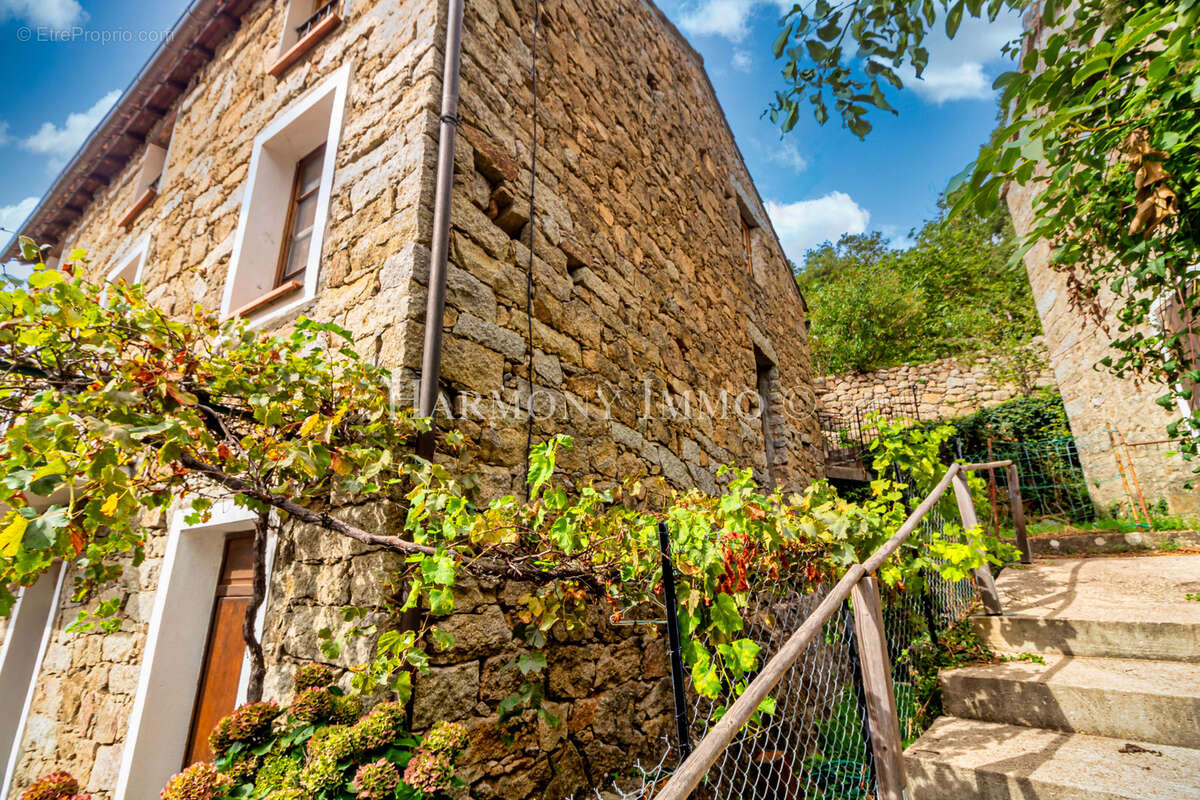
641	293
651	329
942	389
1095	400
86	686
607	685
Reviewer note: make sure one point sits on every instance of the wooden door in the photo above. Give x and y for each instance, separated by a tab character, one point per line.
222	668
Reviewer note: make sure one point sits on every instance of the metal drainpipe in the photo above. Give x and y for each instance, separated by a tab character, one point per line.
431	359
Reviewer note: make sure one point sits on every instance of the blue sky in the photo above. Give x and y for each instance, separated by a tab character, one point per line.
66	62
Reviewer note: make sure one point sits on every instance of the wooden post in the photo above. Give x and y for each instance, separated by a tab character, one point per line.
983	575
1018	513
886	744
992	491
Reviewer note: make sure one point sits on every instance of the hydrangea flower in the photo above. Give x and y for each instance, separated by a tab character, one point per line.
346	710
376	781
278	773
312	676
334	741
429	772
321	774
200	781
381	727
248	723
313	705
287	794
54	786
243	767
252	721
446	736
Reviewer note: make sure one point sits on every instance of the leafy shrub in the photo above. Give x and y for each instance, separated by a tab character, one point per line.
319	748
1036	418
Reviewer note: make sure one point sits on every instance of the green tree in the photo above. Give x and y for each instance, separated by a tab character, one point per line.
1098	121
863	313
951	293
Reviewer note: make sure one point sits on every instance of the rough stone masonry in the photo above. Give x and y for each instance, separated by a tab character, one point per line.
656	332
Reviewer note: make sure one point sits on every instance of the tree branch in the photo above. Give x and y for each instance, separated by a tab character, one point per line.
258	667
327	521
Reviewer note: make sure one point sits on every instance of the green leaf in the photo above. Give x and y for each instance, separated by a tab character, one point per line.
531	662
725	614
781	41
954	19
441	602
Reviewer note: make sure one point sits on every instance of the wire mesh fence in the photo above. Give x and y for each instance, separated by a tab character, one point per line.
814	742
1053	483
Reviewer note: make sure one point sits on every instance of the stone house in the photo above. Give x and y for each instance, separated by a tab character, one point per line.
1136	458
278	158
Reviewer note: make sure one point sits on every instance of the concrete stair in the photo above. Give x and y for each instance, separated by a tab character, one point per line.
1100	700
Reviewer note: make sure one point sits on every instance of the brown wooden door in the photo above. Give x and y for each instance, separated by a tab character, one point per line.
222	668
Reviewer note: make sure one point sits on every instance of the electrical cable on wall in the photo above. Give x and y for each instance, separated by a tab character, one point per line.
537	16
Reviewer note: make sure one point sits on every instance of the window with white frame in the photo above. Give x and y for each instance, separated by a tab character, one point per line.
30	627
305	23
1177	313
131	264
189	607
150	172
285	206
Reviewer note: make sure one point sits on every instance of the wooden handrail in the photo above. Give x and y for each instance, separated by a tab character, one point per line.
986	465
688	775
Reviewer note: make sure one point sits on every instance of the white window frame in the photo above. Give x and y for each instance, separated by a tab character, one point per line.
313	119
134	257
32	620
157	736
292	18
154	166
1156	309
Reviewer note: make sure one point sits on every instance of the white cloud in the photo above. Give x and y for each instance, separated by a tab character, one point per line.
896	238
726	18
57	14
59	144
956	66
786	153
941	84
741	61
12	216
807	223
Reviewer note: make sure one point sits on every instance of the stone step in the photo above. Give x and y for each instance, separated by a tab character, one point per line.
1112	542
1100	607
957	759
1153	701
1142	635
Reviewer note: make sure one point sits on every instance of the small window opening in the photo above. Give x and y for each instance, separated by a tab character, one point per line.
322	12
766	380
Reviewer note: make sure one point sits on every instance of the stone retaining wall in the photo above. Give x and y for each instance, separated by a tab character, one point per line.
946	388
